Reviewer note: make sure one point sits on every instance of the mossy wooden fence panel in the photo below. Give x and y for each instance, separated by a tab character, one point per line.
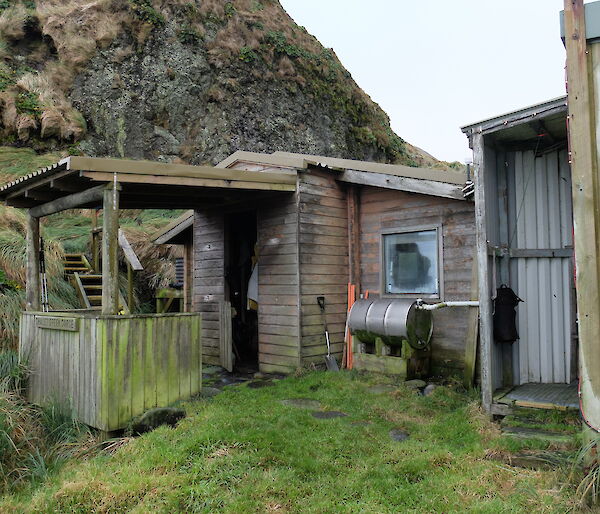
111	368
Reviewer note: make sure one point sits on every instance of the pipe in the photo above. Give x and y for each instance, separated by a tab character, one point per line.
435	306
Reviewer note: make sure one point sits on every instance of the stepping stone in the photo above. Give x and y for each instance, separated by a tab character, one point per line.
398	435
328	414
361	423
429	389
260	383
382	388
209	392
302	403
415	384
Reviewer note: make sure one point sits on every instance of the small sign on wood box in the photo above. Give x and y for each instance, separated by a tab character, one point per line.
57	323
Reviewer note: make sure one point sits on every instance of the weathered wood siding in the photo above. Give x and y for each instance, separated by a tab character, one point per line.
113	368
209	278
383	209
278	289
323	252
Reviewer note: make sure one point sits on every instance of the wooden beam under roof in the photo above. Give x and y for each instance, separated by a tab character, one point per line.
161	169
189	181
411	185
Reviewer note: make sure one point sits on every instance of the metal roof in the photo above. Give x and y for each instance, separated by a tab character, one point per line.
503	121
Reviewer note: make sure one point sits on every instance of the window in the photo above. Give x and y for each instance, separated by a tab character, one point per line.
411	263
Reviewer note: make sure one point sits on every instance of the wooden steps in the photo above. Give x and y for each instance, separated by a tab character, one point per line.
89	288
545	426
76	263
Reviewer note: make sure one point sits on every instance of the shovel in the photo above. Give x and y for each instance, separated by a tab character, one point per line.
330	361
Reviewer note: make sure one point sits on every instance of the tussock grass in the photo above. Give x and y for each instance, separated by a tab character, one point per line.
34	441
245	451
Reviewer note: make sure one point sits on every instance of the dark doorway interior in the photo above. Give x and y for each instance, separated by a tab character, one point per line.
241	259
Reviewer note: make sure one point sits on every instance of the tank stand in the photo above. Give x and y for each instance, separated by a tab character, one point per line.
407	363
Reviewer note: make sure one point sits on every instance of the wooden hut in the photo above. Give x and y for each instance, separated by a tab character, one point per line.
313	241
525	240
113	367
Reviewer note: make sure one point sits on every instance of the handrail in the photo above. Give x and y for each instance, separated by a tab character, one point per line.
130	255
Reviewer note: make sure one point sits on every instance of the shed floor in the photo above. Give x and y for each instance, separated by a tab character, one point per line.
542	396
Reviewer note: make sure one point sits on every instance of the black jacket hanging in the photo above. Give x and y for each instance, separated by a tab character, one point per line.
505	315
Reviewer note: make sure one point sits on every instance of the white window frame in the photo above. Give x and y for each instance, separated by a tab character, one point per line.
440	263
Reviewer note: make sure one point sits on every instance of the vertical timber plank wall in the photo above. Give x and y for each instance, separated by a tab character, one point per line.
383	209
209	278
323	231
278	310
111	369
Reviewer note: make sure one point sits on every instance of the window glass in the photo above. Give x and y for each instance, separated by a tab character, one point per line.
411	263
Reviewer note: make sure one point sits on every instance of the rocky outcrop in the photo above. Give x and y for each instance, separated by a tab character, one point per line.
182	81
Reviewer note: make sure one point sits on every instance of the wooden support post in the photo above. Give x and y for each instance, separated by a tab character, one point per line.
584	101
353	201
130	287
32	287
472	330
485	302
188	277
110	246
95	236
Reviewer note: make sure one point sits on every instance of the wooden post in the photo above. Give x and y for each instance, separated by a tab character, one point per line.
110	246
472	330
485	302
32	287
583	100
353	201
95	249
130	287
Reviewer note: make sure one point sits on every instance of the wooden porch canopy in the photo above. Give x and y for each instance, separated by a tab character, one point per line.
87	182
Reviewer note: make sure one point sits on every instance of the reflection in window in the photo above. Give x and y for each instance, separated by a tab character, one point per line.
411	263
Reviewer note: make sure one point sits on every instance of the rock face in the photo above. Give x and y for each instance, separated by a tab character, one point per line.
182	81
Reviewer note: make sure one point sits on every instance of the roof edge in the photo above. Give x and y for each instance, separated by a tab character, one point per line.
498	122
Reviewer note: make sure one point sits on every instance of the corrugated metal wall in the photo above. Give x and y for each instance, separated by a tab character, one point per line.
529	208
543	221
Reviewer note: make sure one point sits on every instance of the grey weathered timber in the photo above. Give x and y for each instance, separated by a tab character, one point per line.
485	304
225	336
385	210
427	187
323	220
129	253
93	195
584	101
32	286
111	369
353	200
472	332
110	246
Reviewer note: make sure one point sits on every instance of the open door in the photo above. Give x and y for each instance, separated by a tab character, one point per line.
239	312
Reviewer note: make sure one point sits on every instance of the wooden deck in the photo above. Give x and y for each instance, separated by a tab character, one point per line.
111	368
540	396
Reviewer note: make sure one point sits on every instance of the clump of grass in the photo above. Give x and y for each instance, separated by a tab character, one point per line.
34	441
145	12
189	35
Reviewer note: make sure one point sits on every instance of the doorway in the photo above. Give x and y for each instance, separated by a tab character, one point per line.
241	289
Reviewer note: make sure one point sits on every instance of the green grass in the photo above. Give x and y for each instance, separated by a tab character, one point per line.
244	451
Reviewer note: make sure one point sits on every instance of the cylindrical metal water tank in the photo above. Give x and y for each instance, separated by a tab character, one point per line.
393	320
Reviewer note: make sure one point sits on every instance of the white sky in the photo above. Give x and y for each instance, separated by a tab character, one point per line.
434	65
